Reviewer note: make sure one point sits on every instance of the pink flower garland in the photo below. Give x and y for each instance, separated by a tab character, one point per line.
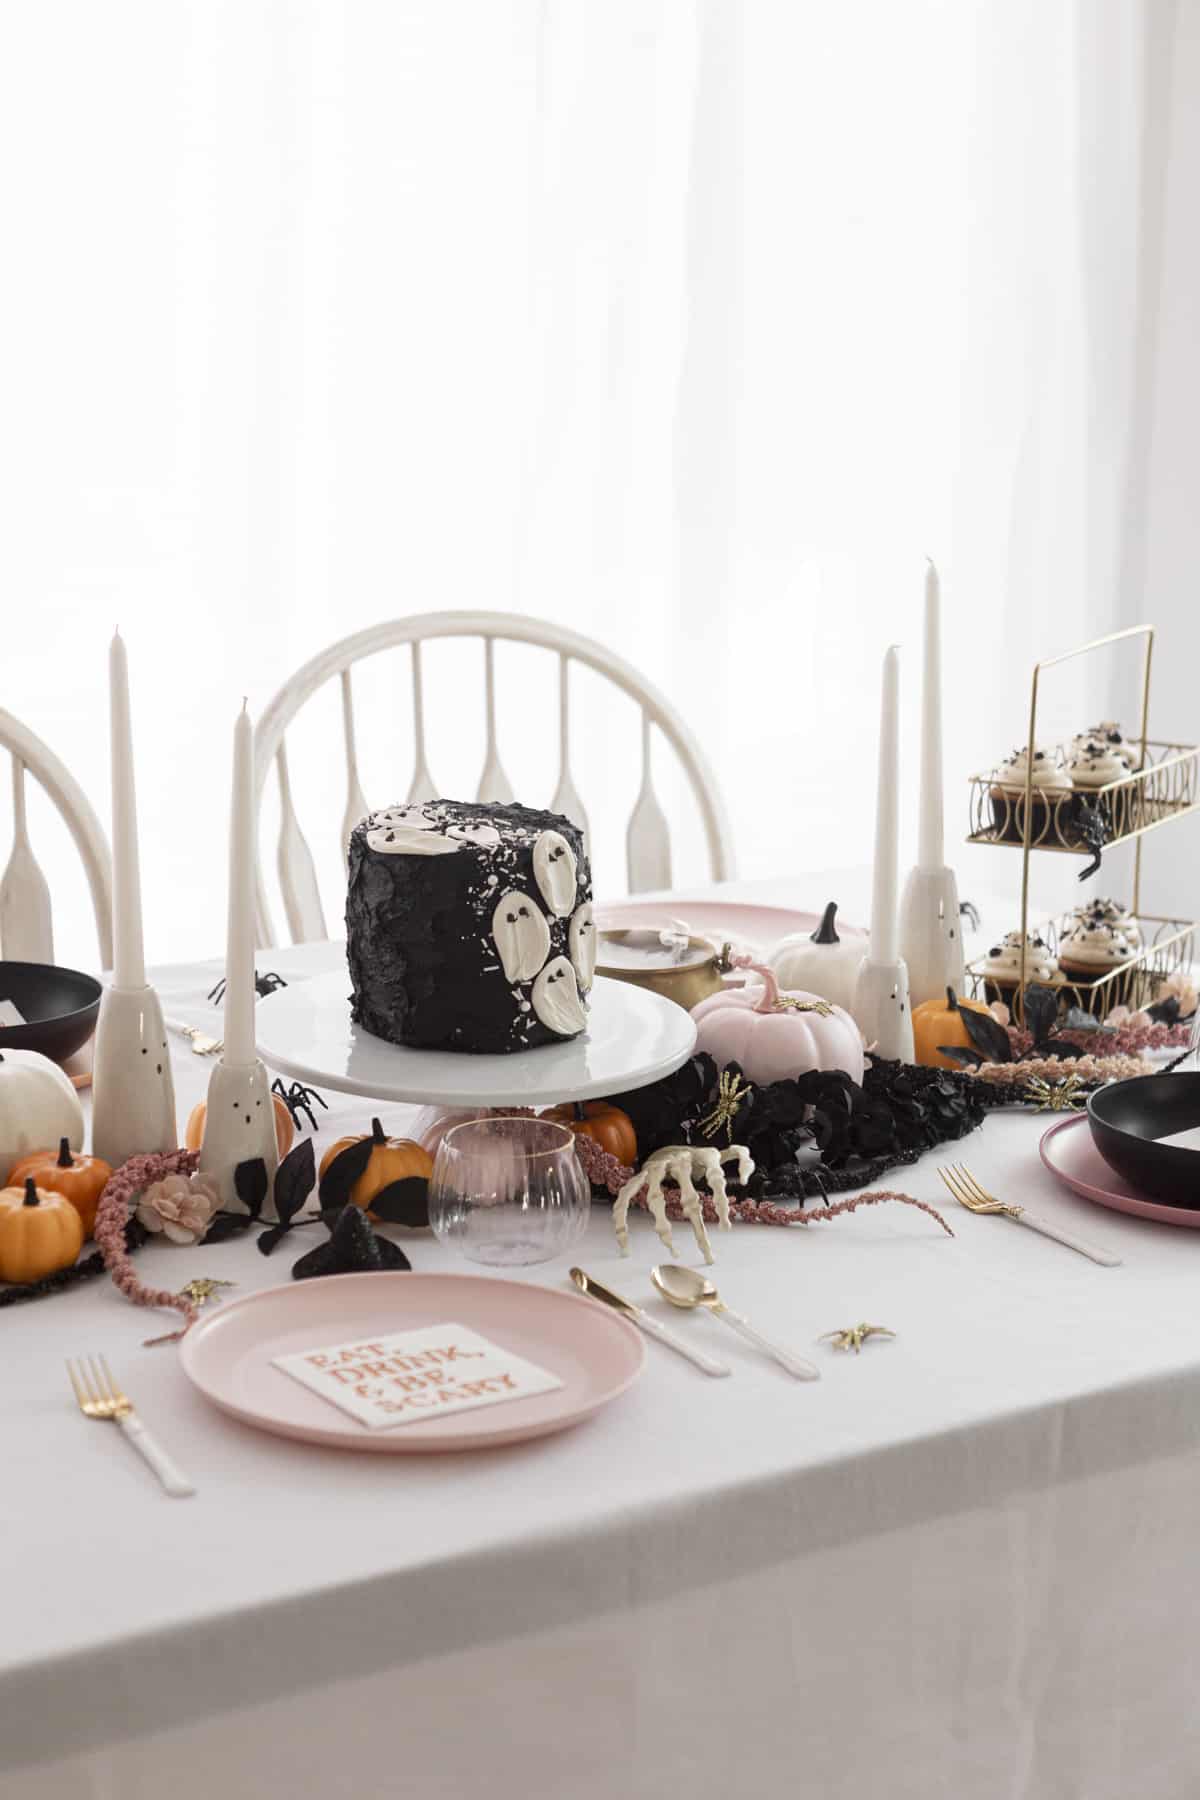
112	1215
605	1170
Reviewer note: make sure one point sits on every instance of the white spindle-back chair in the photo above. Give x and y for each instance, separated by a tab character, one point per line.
26	921
647	838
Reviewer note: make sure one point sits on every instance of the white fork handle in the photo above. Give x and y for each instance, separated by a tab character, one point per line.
795	1365
1073	1243
152	1452
653	1329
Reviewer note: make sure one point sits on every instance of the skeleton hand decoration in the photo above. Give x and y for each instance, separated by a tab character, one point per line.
680	1163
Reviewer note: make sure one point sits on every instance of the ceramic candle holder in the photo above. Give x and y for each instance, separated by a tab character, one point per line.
133	1111
881	1008
239	1125
931	934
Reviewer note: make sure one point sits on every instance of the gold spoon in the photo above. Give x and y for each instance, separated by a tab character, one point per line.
688	1288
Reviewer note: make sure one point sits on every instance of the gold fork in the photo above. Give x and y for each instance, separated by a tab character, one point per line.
99	1397
969	1193
202	1042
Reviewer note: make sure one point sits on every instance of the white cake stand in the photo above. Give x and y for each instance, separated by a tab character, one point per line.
633	1038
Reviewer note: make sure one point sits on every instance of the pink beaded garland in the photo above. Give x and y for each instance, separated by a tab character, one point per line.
112	1215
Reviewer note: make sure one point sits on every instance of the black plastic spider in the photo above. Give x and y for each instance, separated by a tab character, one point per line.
298	1099
263	984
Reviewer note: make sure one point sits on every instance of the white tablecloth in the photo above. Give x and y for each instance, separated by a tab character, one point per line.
960	1565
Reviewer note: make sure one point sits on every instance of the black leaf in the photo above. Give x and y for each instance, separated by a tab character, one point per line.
226	1225
344	1171
1165	1012
1041	1010
989	1037
250	1184
403	1202
1079	1020
969	1059
294	1180
1061	1047
274	1235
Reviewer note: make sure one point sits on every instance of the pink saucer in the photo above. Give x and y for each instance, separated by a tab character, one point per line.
1069	1153
228	1355
759	927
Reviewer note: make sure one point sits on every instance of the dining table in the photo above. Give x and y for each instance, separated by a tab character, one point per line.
960	1564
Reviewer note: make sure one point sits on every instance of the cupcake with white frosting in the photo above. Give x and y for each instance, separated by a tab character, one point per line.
1002	965
1050	786
1109	734
1109	912
1092	766
1092	949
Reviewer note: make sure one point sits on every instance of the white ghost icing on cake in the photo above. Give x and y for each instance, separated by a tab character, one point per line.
556	997
521	935
581	941
407	831
554	872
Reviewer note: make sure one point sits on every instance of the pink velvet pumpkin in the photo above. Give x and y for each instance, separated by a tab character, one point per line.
774	1036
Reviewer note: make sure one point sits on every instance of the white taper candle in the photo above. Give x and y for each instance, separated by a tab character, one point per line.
239	946
930	845
129	965
884	933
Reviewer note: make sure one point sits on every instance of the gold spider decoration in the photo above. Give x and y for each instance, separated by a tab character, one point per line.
853	1337
731	1092
1056	1096
203	1288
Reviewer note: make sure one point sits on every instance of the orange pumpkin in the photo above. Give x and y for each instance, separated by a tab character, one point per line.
40	1233
391	1159
285	1129
79	1179
938	1022
604	1123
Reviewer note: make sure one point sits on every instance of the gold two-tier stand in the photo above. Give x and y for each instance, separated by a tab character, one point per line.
1163	788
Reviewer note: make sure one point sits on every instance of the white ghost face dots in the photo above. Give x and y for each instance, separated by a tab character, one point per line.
556	999
554	872
521	935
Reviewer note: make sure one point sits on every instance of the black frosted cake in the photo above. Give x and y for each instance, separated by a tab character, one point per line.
469	926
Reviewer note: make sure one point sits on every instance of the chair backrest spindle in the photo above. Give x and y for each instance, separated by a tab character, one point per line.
297	871
26	917
493	783
421	786
648	839
356	806
566	800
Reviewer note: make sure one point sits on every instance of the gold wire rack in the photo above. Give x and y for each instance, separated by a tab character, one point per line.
1164	786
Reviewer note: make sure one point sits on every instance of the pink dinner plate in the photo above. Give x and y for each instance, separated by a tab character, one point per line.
758	927
595	1353
1069	1153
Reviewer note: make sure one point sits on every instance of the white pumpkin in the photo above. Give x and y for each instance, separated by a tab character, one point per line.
38	1107
820	962
775	1036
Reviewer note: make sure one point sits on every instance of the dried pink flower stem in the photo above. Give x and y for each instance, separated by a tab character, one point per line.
112	1215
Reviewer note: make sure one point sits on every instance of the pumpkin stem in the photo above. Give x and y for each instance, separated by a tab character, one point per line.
579	1112
31	1193
826	932
378	1134
770	998
951	1000
65	1159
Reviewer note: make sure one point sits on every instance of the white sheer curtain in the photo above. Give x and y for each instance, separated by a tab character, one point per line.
690	325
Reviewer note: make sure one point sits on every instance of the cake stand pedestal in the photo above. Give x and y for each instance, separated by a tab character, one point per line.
633	1037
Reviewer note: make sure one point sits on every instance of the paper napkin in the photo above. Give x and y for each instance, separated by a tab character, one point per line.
409	1375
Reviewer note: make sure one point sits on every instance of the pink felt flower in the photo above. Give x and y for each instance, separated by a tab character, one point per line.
179	1207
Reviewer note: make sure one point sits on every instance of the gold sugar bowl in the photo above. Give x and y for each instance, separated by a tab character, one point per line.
672	962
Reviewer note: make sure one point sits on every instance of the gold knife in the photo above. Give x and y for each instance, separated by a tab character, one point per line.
596	1290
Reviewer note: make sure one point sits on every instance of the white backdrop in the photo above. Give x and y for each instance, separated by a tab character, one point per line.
691	326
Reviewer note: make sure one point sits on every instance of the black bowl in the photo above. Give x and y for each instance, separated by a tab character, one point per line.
1127	1120
59	1007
